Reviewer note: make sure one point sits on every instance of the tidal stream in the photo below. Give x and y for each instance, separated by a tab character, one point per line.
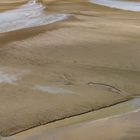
31	14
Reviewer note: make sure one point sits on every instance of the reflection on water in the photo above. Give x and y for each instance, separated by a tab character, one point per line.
124	5
25	16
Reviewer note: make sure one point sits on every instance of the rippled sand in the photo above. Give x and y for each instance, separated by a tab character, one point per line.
102	124
91	58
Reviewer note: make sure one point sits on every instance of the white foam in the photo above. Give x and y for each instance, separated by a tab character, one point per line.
28	15
124	5
7	78
53	90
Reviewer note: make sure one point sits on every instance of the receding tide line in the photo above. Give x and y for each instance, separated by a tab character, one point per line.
28	15
119	4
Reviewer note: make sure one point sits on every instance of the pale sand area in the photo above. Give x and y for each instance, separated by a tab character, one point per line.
85	63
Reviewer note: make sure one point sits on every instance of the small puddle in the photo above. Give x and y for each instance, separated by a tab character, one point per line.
119	4
28	15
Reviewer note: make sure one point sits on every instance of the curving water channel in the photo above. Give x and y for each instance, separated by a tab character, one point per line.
32	14
28	15
119	4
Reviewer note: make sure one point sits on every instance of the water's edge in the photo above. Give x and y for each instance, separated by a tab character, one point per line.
116	109
33	12
119	4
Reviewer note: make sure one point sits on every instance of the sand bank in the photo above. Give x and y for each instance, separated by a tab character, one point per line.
123	128
61	129
93	56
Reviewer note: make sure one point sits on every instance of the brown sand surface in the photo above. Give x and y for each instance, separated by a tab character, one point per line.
85	63
126	127
97	124
10	4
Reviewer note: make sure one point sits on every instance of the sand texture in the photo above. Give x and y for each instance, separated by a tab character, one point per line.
126	127
86	62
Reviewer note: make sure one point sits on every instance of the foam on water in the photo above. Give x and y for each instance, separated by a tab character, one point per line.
28	15
124	5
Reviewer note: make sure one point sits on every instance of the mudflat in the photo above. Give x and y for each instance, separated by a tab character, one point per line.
86	62
120	121
125	127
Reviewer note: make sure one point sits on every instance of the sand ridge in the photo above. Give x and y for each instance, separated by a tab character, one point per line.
73	55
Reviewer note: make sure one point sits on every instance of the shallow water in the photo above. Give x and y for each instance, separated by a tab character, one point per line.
28	15
124	5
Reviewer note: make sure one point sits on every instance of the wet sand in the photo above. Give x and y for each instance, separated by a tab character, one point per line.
83	126
86	62
10	4
123	5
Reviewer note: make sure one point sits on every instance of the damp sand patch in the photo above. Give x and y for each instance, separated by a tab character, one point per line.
53	90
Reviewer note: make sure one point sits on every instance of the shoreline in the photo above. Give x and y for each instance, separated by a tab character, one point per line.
75	115
69	123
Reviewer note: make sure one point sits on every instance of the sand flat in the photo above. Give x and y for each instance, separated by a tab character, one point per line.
93	54
124	5
109	123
